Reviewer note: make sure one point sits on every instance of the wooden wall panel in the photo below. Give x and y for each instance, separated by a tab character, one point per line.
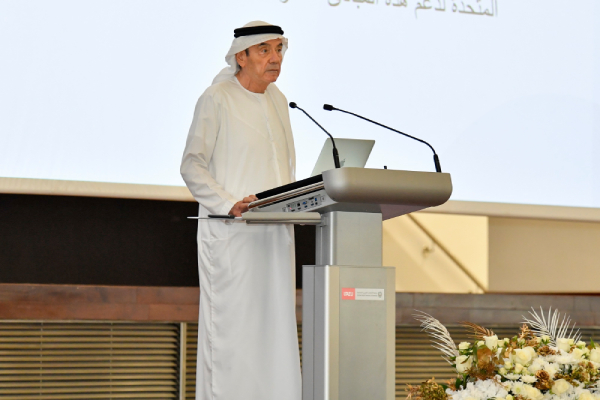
180	304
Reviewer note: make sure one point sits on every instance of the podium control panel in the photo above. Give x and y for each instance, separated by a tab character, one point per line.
305	204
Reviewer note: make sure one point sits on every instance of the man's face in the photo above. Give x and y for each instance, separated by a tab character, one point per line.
263	61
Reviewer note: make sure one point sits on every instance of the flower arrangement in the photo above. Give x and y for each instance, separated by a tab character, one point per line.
545	361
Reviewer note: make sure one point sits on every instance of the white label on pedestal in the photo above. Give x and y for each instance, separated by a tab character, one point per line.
362	294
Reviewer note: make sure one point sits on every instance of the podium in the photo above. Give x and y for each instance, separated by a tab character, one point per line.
348	297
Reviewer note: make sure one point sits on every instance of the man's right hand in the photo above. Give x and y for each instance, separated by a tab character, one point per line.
242	206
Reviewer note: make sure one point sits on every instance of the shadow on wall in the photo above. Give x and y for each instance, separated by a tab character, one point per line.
422	266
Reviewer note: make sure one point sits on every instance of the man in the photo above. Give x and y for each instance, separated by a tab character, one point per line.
241	143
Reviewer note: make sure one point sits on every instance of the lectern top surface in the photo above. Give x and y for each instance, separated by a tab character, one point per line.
360	190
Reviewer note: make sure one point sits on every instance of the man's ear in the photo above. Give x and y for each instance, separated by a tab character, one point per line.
241	58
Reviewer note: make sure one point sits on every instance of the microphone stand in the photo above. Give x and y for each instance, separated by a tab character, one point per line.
336	156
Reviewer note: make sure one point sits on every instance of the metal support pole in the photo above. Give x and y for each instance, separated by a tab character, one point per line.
349	238
182	360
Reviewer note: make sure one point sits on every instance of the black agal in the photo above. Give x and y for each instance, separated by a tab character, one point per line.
257	30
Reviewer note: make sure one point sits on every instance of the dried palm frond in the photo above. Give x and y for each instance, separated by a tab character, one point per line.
552	325
526	332
440	336
477	331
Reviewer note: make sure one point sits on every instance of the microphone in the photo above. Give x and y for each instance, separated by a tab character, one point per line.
436	159
336	156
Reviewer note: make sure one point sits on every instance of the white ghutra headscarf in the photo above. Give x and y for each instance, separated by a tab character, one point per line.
241	43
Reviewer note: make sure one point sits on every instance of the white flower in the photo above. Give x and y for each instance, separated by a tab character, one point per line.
545	338
518	368
502	371
560	387
480	343
565	358
517	388
577	353
536	365
531	350
586	395
479	390
463	363
512	377
523	356
552	369
564	344
464	345
532	393
581	343
508	364
509	397
528	379
595	355
585	350
491	341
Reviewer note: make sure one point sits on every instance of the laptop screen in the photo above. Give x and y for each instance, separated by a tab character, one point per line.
353	153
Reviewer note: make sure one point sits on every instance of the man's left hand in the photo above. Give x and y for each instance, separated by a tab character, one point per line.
242	206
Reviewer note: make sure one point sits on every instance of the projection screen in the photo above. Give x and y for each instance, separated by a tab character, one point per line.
507	92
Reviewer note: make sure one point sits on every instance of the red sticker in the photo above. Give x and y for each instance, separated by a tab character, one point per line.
348	293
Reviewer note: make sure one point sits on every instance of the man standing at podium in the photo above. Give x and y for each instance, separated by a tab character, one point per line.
240	142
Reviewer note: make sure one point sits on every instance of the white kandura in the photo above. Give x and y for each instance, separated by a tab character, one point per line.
240	143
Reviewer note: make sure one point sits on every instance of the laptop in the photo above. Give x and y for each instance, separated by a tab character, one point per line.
353	153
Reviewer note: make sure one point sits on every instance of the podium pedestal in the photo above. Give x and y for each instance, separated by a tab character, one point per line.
348	310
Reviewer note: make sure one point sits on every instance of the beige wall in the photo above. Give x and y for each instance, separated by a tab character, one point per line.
502	254
544	256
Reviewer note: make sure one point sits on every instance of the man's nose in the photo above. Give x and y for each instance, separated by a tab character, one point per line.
276	57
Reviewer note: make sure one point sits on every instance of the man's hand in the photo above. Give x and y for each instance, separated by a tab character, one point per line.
242	206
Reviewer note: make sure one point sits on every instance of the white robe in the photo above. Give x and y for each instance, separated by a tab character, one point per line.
241	143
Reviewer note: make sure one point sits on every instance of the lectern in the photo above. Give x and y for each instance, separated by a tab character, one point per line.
348	297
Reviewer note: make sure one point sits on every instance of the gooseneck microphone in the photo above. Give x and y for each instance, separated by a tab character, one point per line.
336	156
436	159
